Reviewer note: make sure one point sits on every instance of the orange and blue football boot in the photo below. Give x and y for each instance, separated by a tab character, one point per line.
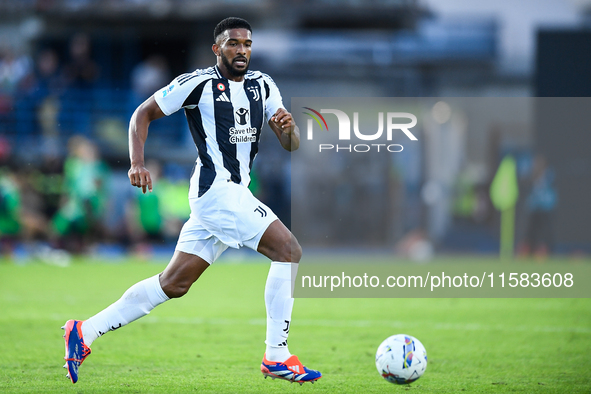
291	370
76	350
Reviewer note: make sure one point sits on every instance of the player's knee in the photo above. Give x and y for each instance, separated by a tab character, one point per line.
175	289
290	251
296	251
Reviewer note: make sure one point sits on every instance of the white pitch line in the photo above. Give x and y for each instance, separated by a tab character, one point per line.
375	323
357	323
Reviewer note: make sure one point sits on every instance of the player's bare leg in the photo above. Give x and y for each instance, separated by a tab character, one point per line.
182	271
279	244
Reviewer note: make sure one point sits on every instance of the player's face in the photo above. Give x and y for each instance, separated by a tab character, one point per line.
234	51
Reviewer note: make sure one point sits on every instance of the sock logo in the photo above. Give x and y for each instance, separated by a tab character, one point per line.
114	328
286	329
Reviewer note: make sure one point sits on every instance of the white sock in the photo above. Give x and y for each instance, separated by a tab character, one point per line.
136	302
279	306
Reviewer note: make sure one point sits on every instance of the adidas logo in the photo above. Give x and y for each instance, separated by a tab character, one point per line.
223	97
294	368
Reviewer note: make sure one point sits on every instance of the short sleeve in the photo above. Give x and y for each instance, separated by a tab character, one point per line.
273	98
171	98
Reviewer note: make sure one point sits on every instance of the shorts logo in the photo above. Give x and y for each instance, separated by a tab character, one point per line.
221	87
241	116
263	213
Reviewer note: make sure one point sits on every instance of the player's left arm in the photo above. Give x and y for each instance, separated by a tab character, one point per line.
285	129
279	119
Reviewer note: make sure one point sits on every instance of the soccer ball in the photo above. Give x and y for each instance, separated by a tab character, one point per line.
401	359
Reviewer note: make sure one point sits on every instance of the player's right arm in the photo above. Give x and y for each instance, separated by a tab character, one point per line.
164	102
148	111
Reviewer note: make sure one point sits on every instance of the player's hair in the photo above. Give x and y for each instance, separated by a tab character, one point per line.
230	23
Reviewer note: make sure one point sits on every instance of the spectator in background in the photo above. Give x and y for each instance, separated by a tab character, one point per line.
49	87
174	187
81	72
21	206
34	223
44	91
158	216
84	196
541	202
10	201
49	79
13	69
80	75
144	214
150	75
49	181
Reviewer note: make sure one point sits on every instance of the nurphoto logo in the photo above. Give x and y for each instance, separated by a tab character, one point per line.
395	122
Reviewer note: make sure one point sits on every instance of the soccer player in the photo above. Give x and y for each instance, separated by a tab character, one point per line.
225	106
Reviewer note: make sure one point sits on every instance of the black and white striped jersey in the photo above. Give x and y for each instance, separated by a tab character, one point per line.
225	119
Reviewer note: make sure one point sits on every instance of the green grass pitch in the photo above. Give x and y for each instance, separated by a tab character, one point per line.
212	340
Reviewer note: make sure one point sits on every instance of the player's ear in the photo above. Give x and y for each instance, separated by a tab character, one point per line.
216	49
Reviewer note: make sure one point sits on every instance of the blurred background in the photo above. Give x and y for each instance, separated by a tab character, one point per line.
73	71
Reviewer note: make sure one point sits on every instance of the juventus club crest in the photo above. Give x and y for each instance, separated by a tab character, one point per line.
255	93
241	116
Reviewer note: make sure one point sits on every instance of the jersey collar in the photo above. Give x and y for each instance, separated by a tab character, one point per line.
248	74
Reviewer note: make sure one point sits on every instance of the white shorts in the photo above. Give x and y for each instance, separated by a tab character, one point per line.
227	215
